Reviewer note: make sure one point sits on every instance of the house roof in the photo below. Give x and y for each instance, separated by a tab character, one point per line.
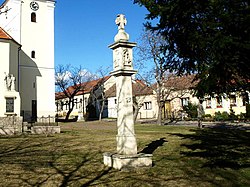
4	35
180	82
138	88
88	87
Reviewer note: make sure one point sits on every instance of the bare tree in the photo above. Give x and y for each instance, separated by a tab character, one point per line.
70	81
152	57
150	53
98	92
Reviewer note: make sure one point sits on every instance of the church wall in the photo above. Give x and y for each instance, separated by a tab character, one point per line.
4	54
44	90
37	72
13	69
39	36
9	66
28	86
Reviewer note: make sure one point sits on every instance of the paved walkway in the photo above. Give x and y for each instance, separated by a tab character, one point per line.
107	125
216	124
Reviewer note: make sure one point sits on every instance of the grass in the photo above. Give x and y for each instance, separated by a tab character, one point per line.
182	156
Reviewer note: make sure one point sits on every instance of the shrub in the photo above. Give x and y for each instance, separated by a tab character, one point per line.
191	110
224	116
241	116
208	117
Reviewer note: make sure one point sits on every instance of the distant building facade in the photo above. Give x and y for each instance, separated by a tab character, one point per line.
178	92
87	101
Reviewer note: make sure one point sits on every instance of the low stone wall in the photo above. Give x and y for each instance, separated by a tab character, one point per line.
40	128
45	129
10	125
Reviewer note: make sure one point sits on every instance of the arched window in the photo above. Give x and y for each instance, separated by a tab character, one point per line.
33	54
33	17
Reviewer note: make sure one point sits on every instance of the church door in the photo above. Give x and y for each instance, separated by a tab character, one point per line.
34	110
166	110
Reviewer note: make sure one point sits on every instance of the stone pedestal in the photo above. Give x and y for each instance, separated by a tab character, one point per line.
126	155
120	162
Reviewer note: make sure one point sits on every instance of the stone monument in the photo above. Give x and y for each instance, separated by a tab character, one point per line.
11	95
126	155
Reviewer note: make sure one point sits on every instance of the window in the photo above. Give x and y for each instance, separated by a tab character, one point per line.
66	104
9	104
184	101
76	103
232	100
147	105
219	102
85	101
61	105
208	102
57	106
106	102
33	17
33	54
245	98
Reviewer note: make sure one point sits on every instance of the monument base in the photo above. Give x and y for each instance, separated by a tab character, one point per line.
119	162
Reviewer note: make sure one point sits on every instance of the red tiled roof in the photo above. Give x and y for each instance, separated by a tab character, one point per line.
138	88
181	82
88	87
4	35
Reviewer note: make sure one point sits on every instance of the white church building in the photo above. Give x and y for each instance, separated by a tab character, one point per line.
27	59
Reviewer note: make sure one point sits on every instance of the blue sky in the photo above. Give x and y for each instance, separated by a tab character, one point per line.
85	28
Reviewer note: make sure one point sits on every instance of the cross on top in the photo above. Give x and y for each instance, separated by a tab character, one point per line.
121	21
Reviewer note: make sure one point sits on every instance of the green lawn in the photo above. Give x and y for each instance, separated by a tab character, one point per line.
182	156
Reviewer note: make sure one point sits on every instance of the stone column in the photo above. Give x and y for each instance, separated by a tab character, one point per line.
126	140
126	155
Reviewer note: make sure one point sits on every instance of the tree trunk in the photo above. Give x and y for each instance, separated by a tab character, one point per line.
101	110
136	111
71	107
68	114
159	121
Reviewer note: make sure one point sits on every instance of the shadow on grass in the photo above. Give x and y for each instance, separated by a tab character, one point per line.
53	161
221	147
153	146
36	161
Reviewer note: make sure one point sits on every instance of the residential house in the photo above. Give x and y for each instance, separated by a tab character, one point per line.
177	93
87	101
144	101
181	89
236	101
